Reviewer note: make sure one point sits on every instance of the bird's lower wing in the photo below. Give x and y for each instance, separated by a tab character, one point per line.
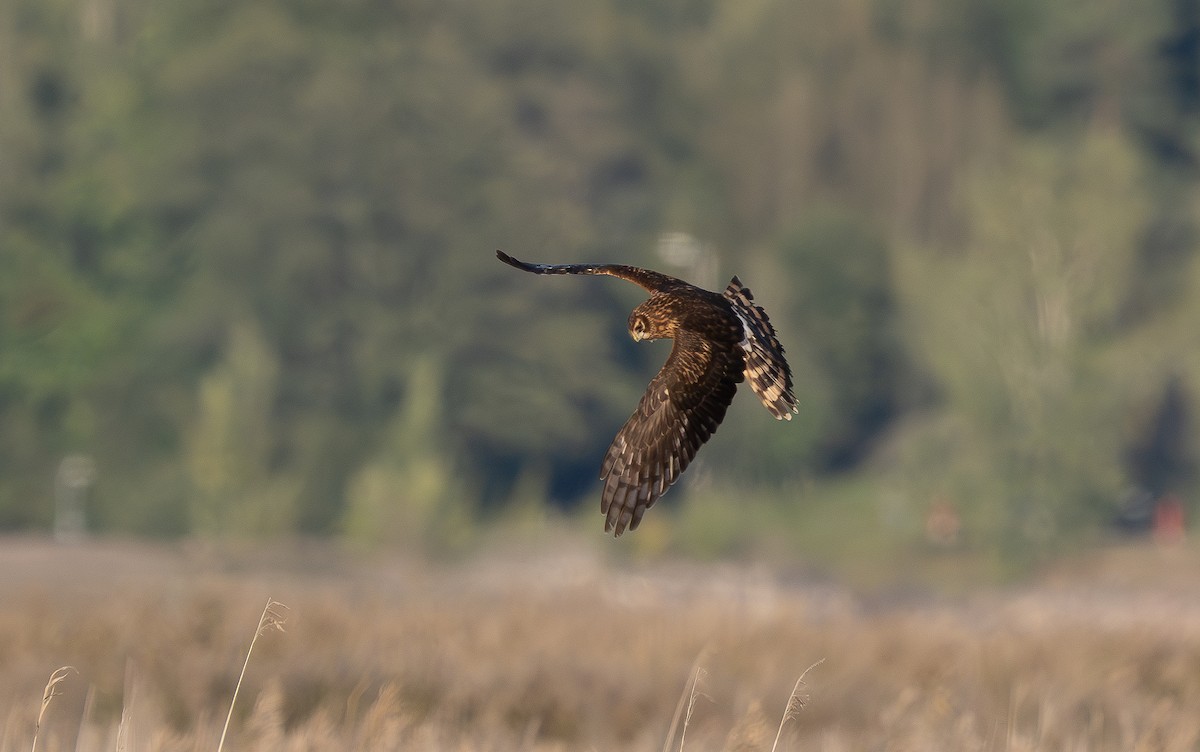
680	410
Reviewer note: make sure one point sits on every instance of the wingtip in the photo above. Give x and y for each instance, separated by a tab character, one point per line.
617	519
517	263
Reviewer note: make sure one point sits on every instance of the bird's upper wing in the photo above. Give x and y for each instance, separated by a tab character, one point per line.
648	280
680	410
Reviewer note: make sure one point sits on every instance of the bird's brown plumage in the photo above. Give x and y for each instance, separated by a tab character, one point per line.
719	341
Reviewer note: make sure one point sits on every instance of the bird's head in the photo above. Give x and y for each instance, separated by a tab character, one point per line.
639	327
653	319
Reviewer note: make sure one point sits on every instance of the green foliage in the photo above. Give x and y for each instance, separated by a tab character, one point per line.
1015	332
409	494
843	295
245	252
232	443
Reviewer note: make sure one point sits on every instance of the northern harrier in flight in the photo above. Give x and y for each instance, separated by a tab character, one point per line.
720	339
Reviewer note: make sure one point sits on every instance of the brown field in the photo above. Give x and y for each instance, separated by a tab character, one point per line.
561	651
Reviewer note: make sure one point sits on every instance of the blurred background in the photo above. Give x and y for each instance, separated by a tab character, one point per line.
248	286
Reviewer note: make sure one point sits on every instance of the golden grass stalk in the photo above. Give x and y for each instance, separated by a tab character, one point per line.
52	690
88	700
125	727
695	672
272	619
795	703
700	673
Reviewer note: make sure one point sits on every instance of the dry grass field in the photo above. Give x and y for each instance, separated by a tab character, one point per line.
561	651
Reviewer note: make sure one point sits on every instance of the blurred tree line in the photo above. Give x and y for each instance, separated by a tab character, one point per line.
246	250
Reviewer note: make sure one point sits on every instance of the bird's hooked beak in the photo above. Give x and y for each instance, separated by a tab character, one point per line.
637	336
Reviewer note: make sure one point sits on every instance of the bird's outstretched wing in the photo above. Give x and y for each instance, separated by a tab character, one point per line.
650	281
766	368
687	400
680	410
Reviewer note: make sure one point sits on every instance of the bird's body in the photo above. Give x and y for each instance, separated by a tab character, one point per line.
719	341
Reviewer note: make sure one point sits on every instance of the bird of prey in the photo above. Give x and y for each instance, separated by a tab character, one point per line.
720	340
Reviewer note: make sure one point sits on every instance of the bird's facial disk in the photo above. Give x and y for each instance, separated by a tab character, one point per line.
638	328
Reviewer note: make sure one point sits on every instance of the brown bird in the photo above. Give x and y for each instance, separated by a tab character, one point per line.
720	339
